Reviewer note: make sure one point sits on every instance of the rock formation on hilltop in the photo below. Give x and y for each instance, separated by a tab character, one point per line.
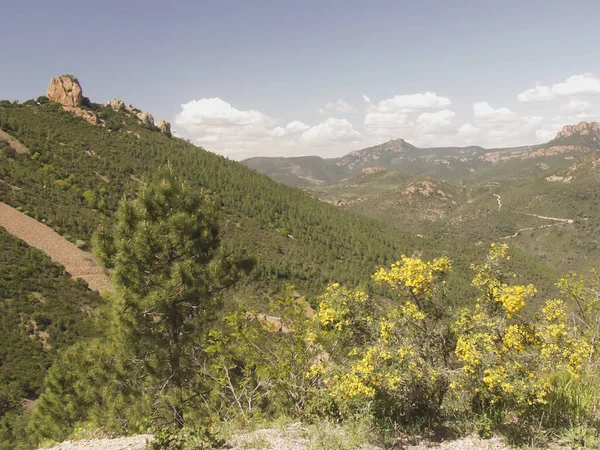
143	117
65	90
582	129
117	104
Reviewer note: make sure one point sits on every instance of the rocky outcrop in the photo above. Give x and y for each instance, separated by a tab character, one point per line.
89	116
14	143
164	127
65	90
143	117
117	104
425	188
373	169
582	128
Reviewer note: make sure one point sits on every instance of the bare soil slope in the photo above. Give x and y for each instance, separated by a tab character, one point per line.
79	264
16	145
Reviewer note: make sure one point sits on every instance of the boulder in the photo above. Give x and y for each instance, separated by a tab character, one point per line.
116	104
65	90
146	119
164	127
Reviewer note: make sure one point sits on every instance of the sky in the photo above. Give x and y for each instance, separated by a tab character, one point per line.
290	78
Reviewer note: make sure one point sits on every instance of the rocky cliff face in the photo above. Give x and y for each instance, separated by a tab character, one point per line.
582	129
65	90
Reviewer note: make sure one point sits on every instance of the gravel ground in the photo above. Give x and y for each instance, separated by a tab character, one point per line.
78	263
137	442
292	437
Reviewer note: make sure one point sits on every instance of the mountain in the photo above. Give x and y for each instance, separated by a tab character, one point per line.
454	162
309	171
542	199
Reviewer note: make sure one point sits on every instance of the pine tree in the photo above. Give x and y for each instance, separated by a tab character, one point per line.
168	269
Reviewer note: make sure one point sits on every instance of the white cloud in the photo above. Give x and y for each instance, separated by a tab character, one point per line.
212	120
219	126
578	85
538	93
545	134
215	112
412	116
376	120
294	126
585	84
440	122
339	106
502	127
482	111
468	131
409	103
331	131
576	106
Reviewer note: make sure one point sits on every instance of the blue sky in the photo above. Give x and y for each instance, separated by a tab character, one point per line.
289	78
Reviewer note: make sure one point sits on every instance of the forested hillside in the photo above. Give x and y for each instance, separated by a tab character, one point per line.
77	172
42	311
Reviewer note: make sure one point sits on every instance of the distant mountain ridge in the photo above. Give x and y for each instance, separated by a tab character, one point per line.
310	171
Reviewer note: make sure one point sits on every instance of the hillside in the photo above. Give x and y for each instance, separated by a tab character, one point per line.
42	311
82	158
77	172
79	264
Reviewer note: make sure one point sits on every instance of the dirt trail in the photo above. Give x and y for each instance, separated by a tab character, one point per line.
528	229
556	219
499	199
78	263
551	218
15	144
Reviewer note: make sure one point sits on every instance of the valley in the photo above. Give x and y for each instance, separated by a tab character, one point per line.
169	270
472	195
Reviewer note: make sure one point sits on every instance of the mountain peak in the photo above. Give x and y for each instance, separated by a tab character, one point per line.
582	129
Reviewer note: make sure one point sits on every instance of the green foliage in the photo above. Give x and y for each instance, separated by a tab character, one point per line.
189	438
76	159
257	364
42	311
168	269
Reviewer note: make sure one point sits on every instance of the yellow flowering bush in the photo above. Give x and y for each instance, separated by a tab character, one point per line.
340	308
509	360
398	366
583	294
412	357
